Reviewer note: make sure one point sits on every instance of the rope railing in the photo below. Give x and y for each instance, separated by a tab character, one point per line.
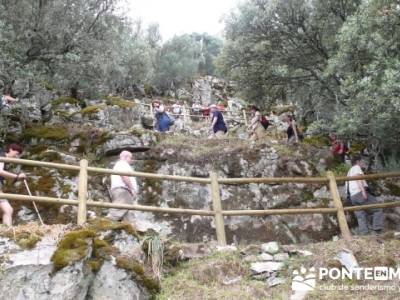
214	181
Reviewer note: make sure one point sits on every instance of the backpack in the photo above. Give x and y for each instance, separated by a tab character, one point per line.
171	119
264	122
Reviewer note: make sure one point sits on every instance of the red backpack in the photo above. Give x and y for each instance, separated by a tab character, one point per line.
264	122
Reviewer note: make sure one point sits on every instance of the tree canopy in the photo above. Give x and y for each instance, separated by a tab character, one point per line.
337	60
89	45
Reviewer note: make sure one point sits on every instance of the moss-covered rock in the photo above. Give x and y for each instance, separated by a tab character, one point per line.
63	100
103	224
50	132
92	109
72	248
135	267
24	239
118	101
393	189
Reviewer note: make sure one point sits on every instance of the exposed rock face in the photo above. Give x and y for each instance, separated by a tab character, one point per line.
210	89
30	274
265	160
105	127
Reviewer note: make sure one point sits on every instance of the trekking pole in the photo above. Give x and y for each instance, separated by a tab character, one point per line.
34	204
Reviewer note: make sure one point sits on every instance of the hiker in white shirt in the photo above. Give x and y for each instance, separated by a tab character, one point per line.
124	189
359	195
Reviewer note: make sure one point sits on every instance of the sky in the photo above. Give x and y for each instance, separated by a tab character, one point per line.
182	16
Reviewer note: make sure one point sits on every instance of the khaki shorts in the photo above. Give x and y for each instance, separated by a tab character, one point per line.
1	190
120	196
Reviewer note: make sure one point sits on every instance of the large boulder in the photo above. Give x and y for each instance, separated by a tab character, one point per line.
42	270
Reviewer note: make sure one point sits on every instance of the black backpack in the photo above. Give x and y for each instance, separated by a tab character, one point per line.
264	122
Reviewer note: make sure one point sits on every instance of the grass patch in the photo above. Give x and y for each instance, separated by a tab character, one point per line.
207	278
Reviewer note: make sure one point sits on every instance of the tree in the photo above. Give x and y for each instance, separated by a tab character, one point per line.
279	49
368	64
184	57
76	44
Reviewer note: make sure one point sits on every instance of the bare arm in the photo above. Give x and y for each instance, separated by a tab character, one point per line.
128	183
12	175
10	99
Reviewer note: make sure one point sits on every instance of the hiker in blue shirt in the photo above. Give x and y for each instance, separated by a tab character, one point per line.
218	126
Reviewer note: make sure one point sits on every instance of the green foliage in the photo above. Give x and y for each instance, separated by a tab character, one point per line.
367	62
184	57
337	60
318	141
339	169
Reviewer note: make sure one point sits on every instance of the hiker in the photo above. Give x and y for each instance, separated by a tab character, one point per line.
221	106
124	189
218	126
12	151
292	131
7	99
360	195
163	122
175	117
255	128
196	110
176	109
338	148
206	113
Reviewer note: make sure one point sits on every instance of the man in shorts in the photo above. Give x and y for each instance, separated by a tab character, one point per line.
124	189
12	151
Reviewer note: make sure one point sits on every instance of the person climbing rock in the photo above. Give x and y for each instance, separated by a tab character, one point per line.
196	111
338	148
255	128
6	98
177	109
163	122
292	131
218	126
124	189
360	195
12	151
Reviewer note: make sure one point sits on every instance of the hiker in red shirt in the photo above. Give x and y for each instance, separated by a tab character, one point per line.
338	148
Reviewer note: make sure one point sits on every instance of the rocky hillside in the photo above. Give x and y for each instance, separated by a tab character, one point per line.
105	260
62	129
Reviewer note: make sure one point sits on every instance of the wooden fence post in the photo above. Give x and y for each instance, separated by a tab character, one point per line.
82	191
245	117
217	207
344	228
